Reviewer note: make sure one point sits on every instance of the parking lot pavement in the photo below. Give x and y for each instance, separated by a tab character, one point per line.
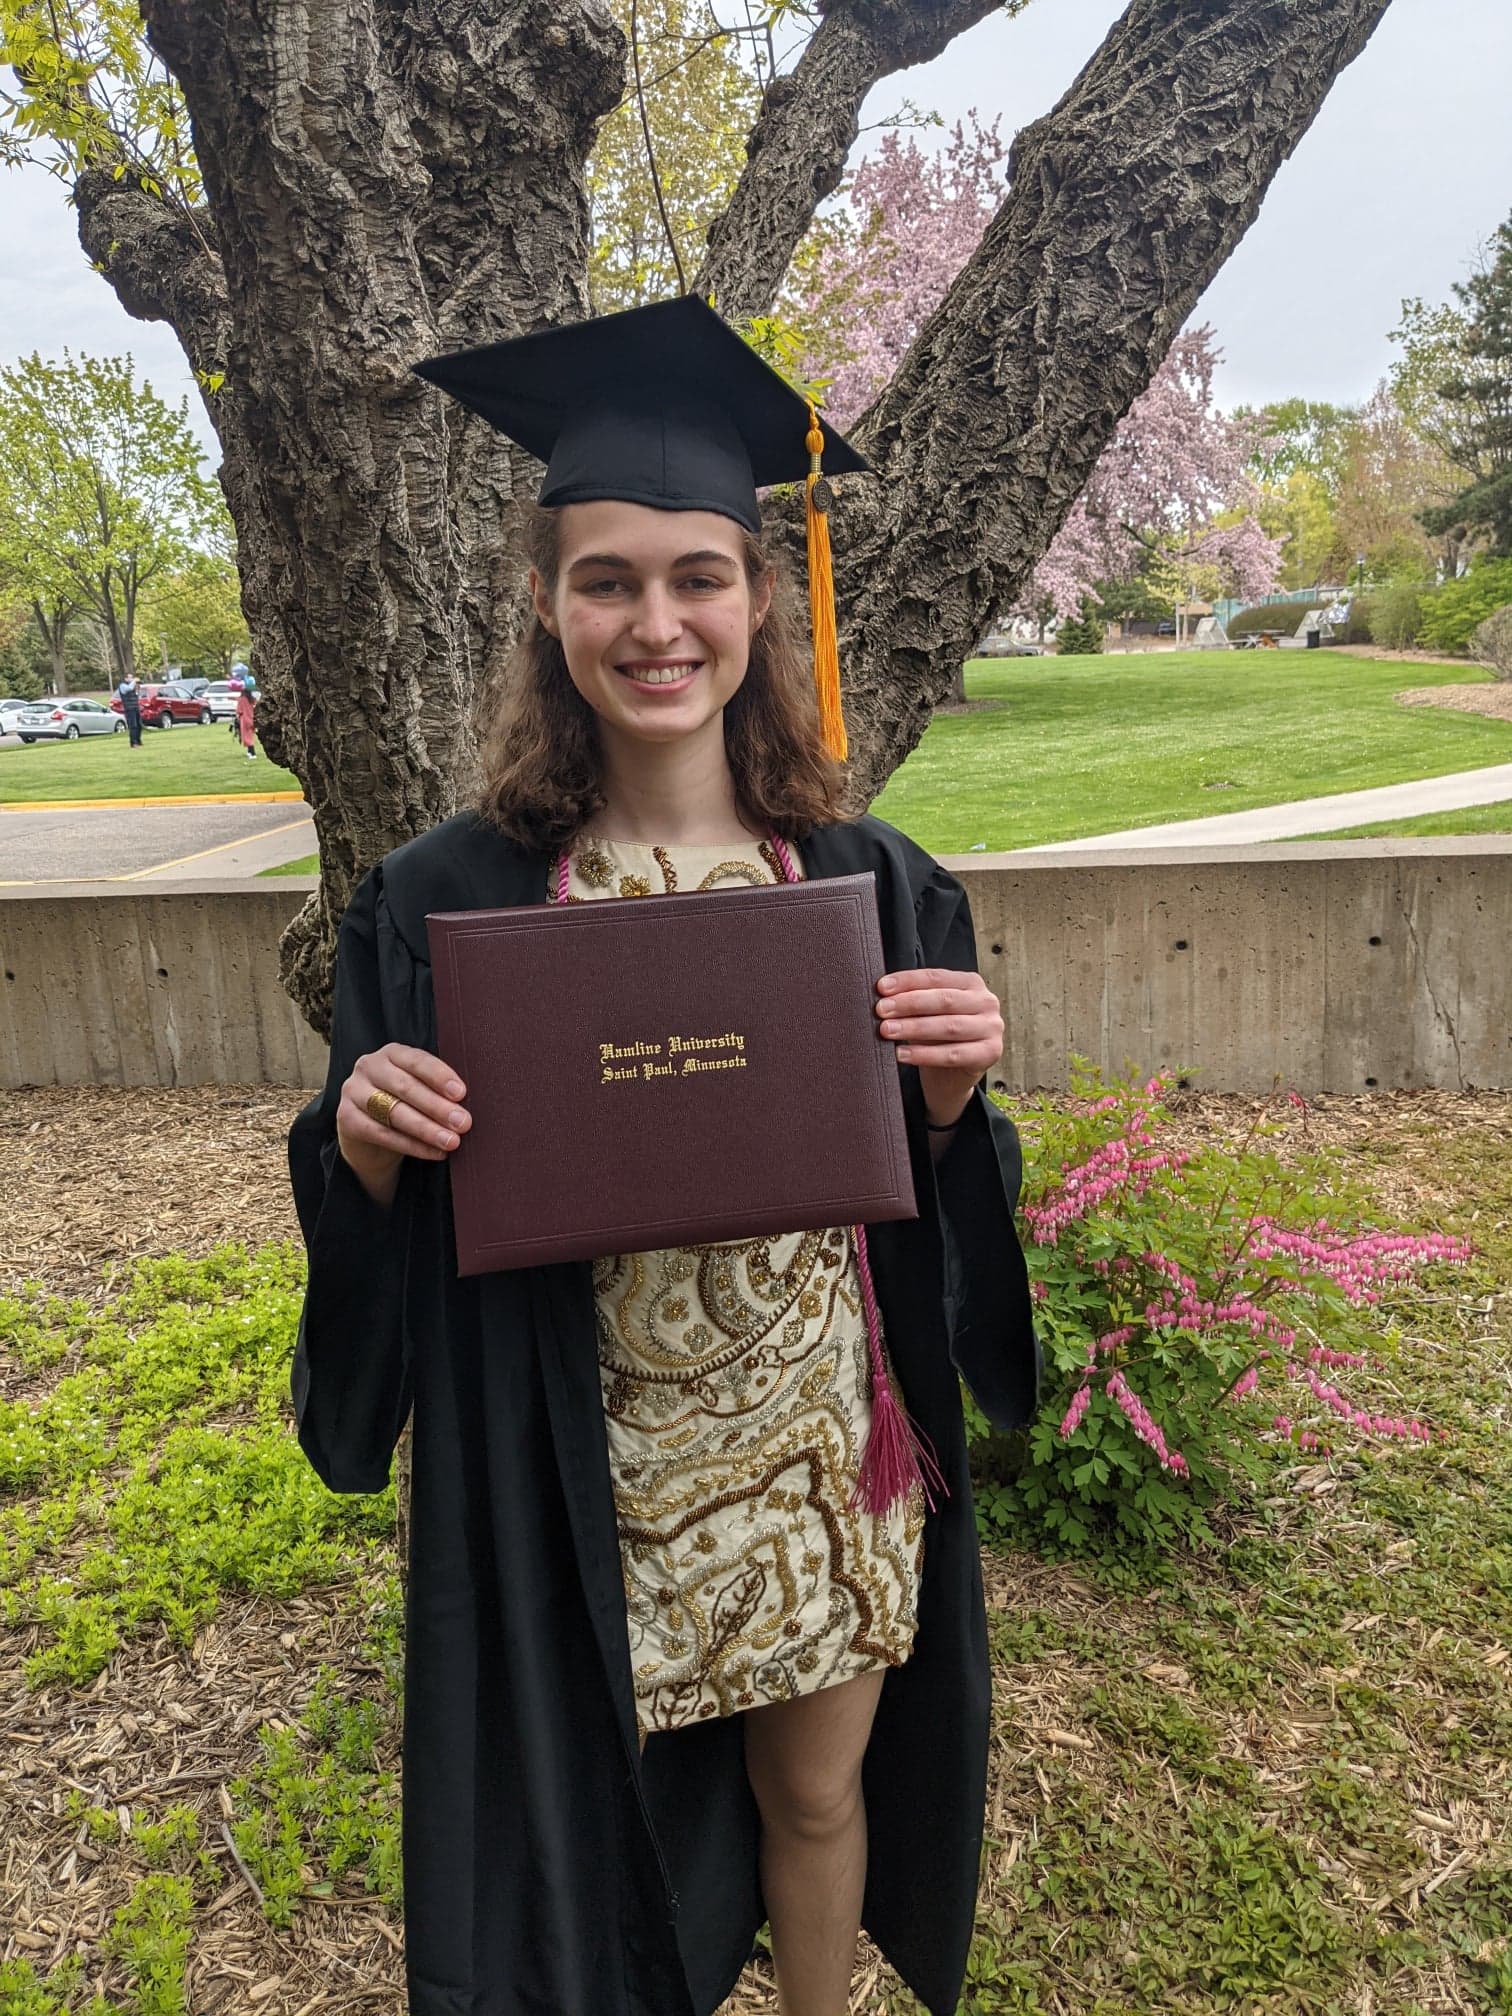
139	842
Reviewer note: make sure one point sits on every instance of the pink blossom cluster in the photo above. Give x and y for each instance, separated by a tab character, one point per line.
1357	1417
1107	1169
1144	1424
1306	1439
1191	1312
1109	1342
1246	1383
910	222
1320	1354
1081	1400
1356	1262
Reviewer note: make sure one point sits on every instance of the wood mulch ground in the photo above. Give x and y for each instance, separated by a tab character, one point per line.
1493	699
95	1176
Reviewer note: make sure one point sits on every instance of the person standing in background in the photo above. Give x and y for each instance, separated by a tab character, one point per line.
131	707
246	712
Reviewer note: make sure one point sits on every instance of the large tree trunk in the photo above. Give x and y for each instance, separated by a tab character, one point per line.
385	180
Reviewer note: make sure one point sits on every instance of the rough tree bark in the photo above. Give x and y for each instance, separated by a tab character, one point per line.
386	178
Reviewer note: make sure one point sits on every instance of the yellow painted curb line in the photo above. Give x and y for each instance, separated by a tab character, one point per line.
225	847
104	804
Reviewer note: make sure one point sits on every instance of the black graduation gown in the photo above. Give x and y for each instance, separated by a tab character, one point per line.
549	1869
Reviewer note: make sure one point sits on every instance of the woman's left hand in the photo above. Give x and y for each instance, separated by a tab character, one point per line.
949	1025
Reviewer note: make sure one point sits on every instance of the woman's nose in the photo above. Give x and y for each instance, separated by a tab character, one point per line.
656	619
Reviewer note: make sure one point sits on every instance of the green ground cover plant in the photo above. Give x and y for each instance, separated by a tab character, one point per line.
1062	748
186	761
158	1471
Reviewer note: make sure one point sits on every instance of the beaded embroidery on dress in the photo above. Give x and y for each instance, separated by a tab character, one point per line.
736	1383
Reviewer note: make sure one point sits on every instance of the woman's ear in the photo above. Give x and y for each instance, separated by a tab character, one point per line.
761	599
542	603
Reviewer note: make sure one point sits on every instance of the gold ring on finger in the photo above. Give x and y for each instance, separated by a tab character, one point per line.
379	1106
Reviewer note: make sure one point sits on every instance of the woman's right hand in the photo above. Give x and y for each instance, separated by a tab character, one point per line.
428	1122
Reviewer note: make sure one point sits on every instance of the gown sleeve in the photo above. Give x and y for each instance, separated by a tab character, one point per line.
988	1308
351	1380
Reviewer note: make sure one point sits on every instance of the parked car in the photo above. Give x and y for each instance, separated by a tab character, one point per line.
221	696
65	720
194	686
162	706
998	644
10	712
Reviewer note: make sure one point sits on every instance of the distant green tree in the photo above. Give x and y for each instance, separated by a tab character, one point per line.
104	490
193	617
1080	634
1478	395
699	101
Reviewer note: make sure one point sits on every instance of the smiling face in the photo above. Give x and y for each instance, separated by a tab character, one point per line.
655	615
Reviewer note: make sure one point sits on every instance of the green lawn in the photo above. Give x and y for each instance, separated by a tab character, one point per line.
179	762
1473	819
309	865
1066	747
1069	747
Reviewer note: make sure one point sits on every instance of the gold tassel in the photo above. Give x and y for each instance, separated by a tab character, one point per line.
822	601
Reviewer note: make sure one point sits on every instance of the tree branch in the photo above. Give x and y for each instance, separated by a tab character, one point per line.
160	261
1124	202
808	124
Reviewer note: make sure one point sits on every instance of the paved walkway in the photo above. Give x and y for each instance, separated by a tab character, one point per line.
1309	815
77	843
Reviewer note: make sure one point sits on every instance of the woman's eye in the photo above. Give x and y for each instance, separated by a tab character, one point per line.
597	587
702	581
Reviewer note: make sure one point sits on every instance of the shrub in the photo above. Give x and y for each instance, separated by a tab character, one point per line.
1396	614
1287	617
1193	1308
1080	634
1491	643
1451	612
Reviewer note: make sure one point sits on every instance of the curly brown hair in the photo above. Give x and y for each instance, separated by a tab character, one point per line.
540	760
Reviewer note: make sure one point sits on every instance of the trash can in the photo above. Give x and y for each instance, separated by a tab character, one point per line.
1314	639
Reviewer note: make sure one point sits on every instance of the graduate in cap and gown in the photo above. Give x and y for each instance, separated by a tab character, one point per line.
695	1634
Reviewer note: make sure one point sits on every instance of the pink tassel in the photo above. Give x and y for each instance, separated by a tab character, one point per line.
564	876
898	1454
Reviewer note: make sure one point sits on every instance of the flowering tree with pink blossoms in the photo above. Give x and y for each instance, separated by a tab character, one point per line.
1172	489
1201	1314
877	266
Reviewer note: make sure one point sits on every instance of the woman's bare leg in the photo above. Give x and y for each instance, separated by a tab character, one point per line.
803	1759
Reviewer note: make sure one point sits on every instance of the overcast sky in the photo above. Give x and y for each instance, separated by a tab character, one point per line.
1405	171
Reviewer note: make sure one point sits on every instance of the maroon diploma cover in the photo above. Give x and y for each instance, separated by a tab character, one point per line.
668	1071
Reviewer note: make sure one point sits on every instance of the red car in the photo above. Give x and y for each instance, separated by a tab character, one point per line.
161	706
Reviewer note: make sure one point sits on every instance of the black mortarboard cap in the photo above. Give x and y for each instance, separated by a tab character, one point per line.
664	405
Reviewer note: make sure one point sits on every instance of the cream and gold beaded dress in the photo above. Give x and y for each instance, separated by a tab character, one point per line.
736	1384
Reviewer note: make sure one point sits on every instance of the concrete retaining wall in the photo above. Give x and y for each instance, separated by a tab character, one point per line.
151	983
1339	965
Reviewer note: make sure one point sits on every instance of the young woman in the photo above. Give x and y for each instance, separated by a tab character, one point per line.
665	1678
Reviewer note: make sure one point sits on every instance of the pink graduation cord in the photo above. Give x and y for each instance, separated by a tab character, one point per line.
898	1453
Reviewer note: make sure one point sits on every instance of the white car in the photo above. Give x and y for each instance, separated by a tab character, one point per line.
66	719
10	713
221	698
